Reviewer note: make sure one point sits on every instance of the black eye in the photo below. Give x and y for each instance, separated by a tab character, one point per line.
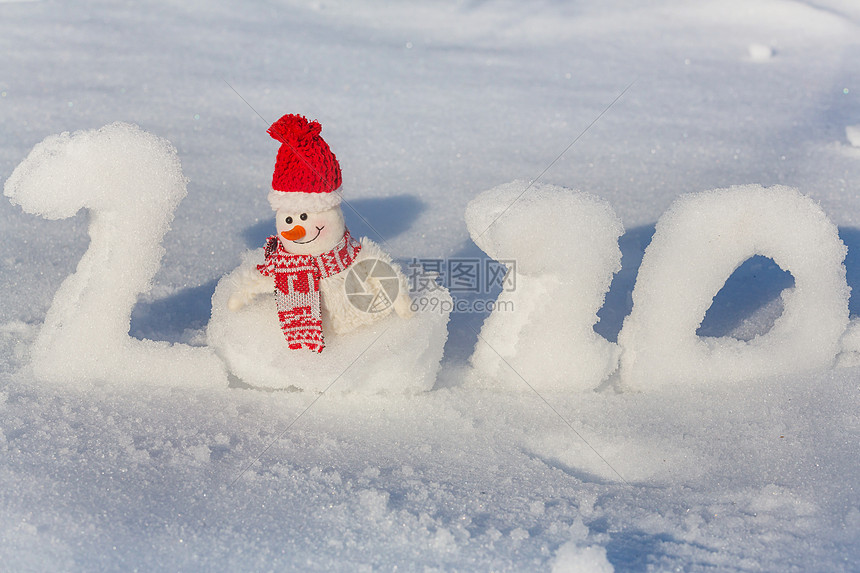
288	220
303	216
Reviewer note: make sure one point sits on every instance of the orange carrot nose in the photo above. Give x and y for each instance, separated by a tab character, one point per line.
296	232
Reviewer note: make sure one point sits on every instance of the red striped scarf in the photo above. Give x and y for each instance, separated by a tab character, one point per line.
297	287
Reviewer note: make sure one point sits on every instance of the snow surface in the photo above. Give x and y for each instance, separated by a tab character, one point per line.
427	105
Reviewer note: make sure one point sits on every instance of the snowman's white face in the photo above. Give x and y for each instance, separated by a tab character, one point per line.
304	233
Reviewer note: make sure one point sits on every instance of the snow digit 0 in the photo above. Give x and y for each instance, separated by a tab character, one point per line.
697	245
565	247
130	182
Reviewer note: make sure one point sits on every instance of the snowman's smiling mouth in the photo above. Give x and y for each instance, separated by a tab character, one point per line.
319	230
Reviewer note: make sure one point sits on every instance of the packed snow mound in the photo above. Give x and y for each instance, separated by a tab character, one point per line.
575	558
580	554
760	52
562	248
130	182
697	245
391	355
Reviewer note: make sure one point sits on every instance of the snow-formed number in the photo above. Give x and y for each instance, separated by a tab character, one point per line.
130	182
697	245
565	247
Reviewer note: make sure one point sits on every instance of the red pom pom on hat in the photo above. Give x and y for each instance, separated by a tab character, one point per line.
307	173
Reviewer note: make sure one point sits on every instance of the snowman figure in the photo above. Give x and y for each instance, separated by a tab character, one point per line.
319	273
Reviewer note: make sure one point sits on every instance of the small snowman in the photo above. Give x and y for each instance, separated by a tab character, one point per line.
320	274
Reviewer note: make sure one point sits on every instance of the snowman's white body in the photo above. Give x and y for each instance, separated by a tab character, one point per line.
364	351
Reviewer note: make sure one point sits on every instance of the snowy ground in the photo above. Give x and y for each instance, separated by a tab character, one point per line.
426	106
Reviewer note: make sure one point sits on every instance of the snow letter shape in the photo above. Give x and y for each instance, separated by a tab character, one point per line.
130	182
562	246
698	244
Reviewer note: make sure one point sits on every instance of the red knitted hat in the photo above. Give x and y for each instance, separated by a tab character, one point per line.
307	173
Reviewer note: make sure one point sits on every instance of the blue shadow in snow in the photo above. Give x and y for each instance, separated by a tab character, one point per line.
619	298
636	551
632	551
170	317
851	237
470	306
753	284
